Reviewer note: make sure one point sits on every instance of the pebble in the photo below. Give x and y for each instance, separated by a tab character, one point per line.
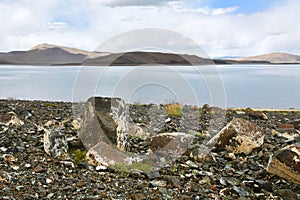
191	164
27	165
153	174
49	180
14	167
101	168
231	156
3	149
50	195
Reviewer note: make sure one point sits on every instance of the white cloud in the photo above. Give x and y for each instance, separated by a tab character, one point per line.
218	30
121	3
58	26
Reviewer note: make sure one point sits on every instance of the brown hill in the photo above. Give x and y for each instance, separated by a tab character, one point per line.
42	55
274	58
46	46
141	58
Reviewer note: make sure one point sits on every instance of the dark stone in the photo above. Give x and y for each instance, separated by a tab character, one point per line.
173	181
295	123
287	194
266	185
153	174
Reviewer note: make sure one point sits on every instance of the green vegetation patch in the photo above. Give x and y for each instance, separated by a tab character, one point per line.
79	155
135	166
174	110
51	104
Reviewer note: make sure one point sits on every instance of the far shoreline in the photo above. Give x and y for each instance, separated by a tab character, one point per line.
241	109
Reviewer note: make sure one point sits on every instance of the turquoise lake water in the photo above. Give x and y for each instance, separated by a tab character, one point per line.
257	86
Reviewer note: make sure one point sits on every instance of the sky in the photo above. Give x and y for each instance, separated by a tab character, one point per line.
219	27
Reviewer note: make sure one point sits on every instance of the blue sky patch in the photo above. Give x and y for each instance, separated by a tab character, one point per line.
244	6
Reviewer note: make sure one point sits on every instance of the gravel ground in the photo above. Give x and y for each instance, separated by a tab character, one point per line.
27	172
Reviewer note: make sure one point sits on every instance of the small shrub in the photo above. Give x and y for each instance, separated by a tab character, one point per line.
79	155
174	110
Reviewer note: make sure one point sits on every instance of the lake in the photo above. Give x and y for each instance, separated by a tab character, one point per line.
256	86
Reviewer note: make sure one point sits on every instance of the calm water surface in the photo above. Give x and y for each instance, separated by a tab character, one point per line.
267	86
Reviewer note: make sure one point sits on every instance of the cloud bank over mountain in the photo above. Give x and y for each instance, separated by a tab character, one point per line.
220	29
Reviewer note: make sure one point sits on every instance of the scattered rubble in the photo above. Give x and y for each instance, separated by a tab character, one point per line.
27	171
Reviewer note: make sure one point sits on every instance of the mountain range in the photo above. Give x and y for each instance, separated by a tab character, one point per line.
47	54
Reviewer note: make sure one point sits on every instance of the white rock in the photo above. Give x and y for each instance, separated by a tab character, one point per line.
101	168
27	165
49	180
3	149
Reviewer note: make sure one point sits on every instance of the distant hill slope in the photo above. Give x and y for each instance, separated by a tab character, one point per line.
44	55
48	54
275	58
46	46
141	58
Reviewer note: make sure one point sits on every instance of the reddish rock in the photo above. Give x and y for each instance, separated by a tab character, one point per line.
286	163
239	136
39	169
296	124
256	114
286	126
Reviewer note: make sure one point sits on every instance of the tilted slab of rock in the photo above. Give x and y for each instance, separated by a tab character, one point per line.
10	119
239	136
104	154
105	120
286	163
167	147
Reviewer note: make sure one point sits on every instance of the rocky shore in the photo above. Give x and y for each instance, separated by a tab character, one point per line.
253	154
